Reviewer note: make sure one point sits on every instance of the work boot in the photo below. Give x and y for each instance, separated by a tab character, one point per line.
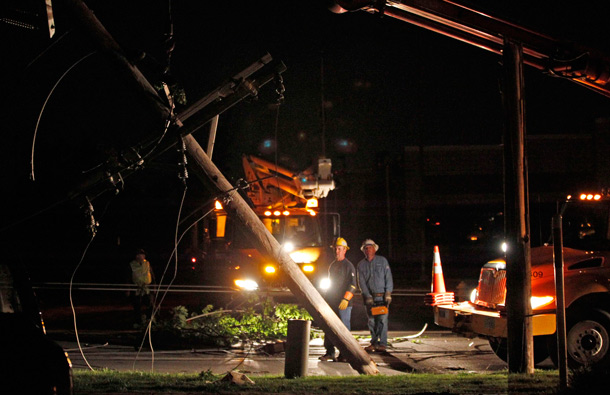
327	357
380	348
370	348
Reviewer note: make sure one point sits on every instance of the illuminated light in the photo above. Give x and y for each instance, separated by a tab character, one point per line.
277	213
303	257
68	359
248	285
311	212
288	246
221	225
267	213
597	197
589	197
192	267
217	205
474	238
306	255
194	260
437	223
325	283
504	247
313	202
269	269
569	197
583	196
474	295
286	212
540	301
237	267
308	268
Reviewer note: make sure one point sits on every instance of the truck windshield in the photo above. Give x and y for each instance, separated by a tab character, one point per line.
301	231
585	226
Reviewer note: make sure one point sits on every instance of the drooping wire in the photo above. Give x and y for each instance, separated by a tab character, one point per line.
72	303
93	234
323	105
280	100
32	177
157	306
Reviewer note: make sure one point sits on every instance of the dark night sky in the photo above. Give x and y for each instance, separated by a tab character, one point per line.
387	84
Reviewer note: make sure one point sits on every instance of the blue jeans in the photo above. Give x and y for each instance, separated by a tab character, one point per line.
378	326
345	316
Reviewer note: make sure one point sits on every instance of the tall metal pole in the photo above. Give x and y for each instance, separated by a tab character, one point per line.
518	264
562	354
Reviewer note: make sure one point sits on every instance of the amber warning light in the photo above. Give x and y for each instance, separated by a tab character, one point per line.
590	196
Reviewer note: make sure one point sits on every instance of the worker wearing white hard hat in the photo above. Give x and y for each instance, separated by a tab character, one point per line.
369	242
376	284
339	294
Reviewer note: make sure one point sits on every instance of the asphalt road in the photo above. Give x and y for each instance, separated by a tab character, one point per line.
432	352
107	338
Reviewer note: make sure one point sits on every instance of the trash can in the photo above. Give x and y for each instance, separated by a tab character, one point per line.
297	348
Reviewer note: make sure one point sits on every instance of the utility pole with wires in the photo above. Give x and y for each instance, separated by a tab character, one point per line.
183	125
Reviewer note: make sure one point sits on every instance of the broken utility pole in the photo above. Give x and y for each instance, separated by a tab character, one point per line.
299	284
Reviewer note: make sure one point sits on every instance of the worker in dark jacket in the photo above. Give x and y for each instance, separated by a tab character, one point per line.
339	294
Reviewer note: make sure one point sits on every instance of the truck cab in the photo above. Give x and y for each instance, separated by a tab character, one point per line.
287	203
586	232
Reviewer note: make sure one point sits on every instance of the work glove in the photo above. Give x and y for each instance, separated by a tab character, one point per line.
343	305
368	301
387	297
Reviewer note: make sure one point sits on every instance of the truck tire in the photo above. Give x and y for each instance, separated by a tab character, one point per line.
587	340
499	345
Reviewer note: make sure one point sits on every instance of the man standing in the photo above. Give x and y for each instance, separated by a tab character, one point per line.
376	284
342	276
141	275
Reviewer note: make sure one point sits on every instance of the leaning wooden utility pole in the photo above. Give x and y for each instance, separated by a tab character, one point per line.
300	286
518	264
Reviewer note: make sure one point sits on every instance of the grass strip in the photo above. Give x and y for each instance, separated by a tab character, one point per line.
107	381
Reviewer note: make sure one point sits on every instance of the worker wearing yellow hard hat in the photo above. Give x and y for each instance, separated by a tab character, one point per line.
339	295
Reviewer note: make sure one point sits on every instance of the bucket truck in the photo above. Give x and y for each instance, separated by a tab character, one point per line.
287	203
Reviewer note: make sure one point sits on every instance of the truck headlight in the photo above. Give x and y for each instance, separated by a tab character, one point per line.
308	268
248	285
473	295
540	301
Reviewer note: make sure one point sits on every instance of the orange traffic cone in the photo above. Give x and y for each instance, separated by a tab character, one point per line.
439	294
438	281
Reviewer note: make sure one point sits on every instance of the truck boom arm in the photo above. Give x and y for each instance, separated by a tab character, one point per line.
269	182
